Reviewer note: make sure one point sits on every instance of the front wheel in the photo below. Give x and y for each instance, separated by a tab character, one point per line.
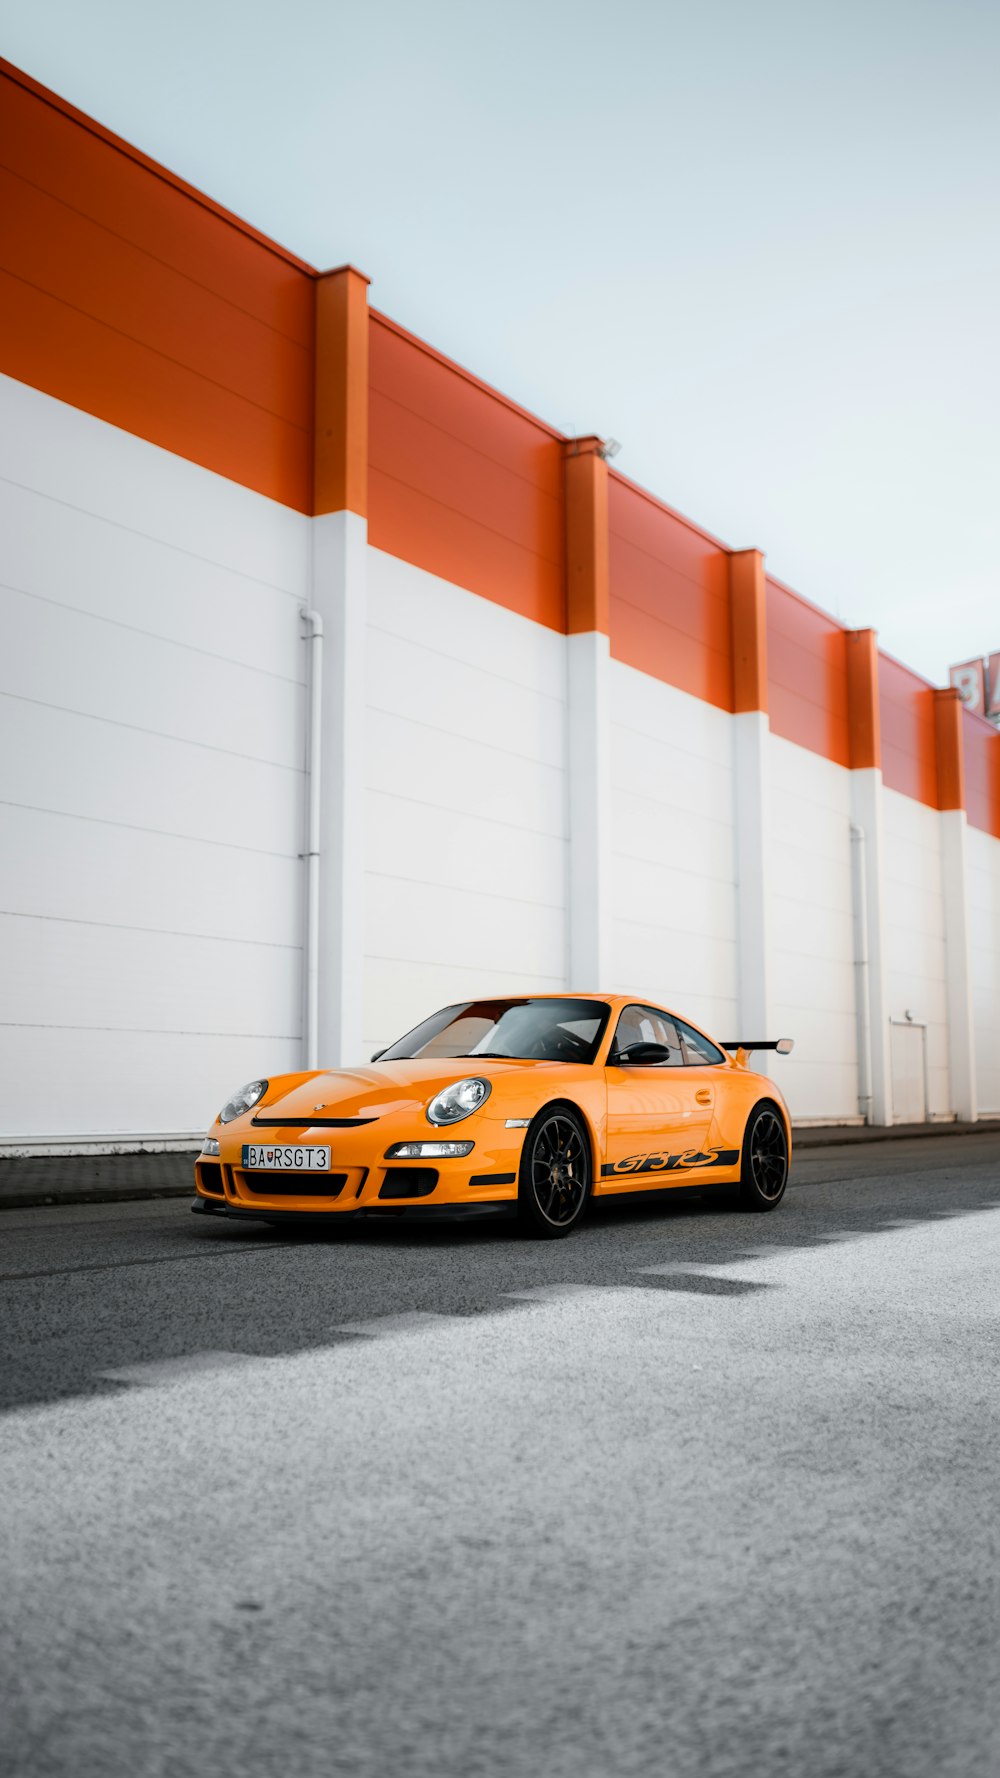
764	1172
554	1182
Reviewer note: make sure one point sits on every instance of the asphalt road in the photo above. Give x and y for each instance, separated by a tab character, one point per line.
692	1493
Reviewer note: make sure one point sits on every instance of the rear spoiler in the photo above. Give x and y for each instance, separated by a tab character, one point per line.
784	1046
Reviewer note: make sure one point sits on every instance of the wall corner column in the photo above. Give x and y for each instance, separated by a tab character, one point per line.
955	891
751	741
588	671
338	582
868	877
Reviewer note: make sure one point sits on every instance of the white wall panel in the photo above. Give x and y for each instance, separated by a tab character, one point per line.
145	583
68	660
673	929
151	774
465	851
62	972
915	933
82	462
62	868
420	922
983	858
416	682
423	764
811	931
404	601
466	799
90	767
126	1083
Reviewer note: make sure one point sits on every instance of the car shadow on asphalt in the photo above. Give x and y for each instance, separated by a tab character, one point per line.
711	1229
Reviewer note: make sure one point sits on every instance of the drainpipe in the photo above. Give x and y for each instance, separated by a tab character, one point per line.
314	636
861	998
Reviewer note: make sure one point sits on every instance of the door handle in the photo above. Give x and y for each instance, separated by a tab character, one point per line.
703	1096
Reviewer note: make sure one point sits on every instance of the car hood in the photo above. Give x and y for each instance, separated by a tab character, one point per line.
382	1088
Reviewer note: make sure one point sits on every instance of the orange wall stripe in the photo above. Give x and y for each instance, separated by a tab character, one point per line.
862	699
340	478
125	295
948	740
16	128
807	674
464	375
981	753
586	536
669	595
54	250
748	612
909	749
91	366
461	482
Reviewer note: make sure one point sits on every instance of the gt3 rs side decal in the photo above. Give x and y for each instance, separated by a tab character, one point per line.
692	1158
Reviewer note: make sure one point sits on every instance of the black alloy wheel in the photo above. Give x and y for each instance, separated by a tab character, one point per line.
765	1160
555	1174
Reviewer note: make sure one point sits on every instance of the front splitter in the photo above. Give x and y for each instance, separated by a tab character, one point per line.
411	1212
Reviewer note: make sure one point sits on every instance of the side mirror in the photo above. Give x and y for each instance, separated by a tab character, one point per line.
644	1055
377	1055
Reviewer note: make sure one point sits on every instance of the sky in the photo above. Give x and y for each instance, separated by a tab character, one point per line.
756	243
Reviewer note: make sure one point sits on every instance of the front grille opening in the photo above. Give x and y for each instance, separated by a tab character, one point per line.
263	1183
209	1176
408	1182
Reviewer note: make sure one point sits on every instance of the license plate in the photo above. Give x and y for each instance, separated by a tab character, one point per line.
286	1157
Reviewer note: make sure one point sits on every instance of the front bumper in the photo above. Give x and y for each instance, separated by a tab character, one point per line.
363	1179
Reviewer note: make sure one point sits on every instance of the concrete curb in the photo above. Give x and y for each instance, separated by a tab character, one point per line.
27	1182
841	1135
31	1182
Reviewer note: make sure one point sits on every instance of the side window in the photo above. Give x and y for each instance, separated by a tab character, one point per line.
644	1024
698	1052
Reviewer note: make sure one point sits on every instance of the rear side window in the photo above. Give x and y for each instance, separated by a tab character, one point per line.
698	1052
646	1024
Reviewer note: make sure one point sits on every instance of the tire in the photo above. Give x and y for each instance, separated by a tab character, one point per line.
555	1174
764	1167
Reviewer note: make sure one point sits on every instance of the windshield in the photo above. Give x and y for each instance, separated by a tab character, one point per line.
530	1030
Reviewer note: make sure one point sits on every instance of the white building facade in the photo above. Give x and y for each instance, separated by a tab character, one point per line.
280	581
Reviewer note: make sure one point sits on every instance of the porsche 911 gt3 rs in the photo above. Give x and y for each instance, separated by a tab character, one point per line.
528	1105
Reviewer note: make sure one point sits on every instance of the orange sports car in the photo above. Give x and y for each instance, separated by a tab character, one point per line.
528	1105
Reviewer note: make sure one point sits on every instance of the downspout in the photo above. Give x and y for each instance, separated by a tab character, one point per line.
859	883
314	636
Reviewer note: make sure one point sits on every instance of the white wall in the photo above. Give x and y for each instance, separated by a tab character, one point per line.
914	936
983	865
466	800
673	923
152	746
151	779
811	931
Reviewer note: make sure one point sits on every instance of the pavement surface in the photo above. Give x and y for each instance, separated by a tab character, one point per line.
693	1492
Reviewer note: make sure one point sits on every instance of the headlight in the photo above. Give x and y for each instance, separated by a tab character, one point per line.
459	1100
210	1145
427	1151
243	1101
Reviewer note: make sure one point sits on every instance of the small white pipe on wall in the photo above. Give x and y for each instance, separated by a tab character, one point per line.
314	635
861	987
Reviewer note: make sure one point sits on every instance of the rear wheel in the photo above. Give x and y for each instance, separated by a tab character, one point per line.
765	1160
554	1182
